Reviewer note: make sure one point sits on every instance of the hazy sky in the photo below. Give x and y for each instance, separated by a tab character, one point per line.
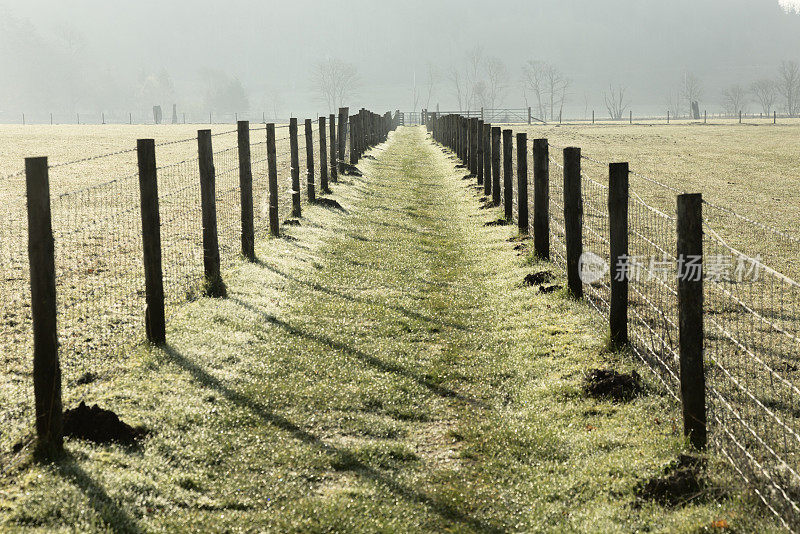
272	46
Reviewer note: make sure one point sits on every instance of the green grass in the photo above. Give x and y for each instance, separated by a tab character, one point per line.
379	369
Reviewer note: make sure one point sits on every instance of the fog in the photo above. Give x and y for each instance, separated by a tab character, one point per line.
259	58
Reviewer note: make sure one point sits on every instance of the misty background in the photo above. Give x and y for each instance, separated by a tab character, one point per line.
264	58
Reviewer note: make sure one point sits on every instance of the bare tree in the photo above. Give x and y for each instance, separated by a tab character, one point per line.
615	100
764	91
734	100
533	82
691	90
414	94
556	85
335	82
674	103
788	86
457	83
548	87
496	82
475	60
433	80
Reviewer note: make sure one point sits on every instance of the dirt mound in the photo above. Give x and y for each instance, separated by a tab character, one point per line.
329	203
681	483
549	289
86	378
607	383
349	170
498	222
291	222
536	279
99	425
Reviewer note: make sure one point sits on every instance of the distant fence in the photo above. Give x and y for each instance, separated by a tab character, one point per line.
717	325
138	117
108	259
527	116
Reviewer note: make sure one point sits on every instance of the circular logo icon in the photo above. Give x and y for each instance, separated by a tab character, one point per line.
592	267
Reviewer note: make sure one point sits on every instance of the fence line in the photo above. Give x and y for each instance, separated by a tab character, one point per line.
749	399
100	289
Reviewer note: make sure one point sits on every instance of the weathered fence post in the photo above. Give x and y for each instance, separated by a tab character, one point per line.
154	322
690	317
334	169
323	156
312	194
352	120
541	198
508	174
246	189
272	164
618	239
295	167
573	219
522	182
341	138
41	258
473	146
214	286
496	165
487	159
479	151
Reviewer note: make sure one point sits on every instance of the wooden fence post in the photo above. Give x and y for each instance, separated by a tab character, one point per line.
323	156
341	138
353	128
272	163
573	219
522	182
618	239
541	198
41	258
214	286
496	165
334	148
295	167
690	317
154	322
473	146
312	194
508	174
479	151
487	159
246	189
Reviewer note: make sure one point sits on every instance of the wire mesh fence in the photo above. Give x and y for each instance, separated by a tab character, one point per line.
97	231
751	314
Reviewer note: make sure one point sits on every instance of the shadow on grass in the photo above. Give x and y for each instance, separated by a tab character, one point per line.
109	511
340	457
382	365
334	293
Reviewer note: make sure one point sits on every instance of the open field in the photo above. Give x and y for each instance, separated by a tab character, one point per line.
96	224
381	368
752	168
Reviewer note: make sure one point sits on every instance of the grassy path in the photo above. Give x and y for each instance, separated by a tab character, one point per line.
380	369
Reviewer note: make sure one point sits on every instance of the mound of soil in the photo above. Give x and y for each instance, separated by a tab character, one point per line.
607	383
549	289
86	378
682	482
330	204
536	279
99	425
291	222
498	222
